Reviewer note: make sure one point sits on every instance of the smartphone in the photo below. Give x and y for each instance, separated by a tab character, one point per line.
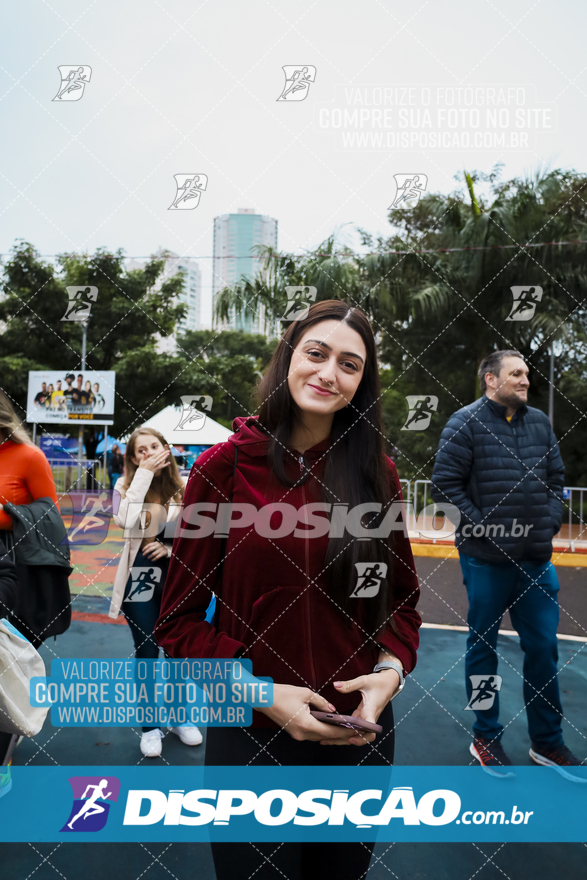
349	721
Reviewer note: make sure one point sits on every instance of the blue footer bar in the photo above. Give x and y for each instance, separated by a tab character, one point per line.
198	804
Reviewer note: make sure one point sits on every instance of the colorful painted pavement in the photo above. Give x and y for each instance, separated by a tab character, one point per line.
92	579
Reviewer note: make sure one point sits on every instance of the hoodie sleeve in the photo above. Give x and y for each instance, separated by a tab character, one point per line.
405	590
193	571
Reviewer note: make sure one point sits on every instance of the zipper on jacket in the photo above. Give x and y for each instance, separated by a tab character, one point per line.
308	588
524	484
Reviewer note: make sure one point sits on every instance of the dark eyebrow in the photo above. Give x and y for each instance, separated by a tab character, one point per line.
347	353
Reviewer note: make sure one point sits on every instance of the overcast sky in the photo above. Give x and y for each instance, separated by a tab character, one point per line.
192	87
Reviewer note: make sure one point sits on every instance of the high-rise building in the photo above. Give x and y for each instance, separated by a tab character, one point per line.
235	236
191	293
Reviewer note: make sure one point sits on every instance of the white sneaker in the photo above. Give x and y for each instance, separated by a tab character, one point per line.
151	743
191	736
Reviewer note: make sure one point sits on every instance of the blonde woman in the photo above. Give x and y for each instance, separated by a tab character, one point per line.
151	476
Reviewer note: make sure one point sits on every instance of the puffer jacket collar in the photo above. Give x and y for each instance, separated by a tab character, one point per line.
500	410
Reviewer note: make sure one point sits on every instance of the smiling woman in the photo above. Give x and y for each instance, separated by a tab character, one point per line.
331	620
323	377
323	382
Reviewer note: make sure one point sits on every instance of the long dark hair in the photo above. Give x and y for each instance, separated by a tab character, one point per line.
355	470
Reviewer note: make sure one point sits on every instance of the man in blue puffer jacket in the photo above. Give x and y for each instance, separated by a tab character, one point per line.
499	463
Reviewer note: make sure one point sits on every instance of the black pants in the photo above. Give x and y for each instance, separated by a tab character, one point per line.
293	861
7	741
142	603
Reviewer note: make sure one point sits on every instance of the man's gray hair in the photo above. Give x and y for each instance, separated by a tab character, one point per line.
492	364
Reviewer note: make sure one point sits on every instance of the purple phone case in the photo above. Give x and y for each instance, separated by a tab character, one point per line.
348	721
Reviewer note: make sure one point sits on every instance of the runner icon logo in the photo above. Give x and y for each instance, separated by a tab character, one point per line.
485	688
299	300
143	584
297	82
369	578
91	797
74	79
90	525
409	190
80	302
189	188
525	301
192	418
421	409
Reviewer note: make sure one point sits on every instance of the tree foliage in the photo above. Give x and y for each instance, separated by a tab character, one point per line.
441	304
134	311
437	291
131	313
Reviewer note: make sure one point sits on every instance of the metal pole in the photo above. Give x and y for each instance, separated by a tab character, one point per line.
80	436
34	433
105	473
551	387
84	341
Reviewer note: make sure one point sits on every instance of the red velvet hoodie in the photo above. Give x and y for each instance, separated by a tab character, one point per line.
275	604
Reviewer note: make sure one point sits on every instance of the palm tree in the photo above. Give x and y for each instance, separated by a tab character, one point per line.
438	289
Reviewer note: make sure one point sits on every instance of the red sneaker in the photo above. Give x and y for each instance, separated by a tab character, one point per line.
557	756
489	752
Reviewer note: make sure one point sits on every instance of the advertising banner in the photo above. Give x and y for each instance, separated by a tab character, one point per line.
63	397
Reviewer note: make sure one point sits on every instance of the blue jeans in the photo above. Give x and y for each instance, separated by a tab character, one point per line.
529	591
142	615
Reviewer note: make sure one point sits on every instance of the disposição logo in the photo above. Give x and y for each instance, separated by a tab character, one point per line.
91	802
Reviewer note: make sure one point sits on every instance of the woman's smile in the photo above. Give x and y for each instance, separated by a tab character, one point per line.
319	390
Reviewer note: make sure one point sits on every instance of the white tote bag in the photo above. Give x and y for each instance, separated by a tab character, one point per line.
19	662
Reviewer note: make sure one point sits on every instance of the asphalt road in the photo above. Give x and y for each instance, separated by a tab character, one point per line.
444	598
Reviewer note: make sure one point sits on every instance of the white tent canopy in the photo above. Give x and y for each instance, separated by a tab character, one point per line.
167	421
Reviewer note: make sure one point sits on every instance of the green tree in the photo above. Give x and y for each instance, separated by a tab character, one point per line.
132	312
437	291
225	365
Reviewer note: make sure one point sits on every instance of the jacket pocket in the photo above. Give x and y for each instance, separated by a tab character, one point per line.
273	612
477	563
276	636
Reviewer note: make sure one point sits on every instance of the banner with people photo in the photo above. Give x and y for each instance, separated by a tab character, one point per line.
63	396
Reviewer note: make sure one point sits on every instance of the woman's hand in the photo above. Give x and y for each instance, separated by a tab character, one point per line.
156	462
377	690
155	550
291	710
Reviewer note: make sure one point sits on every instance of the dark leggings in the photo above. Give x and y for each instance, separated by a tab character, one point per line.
294	861
142	615
7	743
